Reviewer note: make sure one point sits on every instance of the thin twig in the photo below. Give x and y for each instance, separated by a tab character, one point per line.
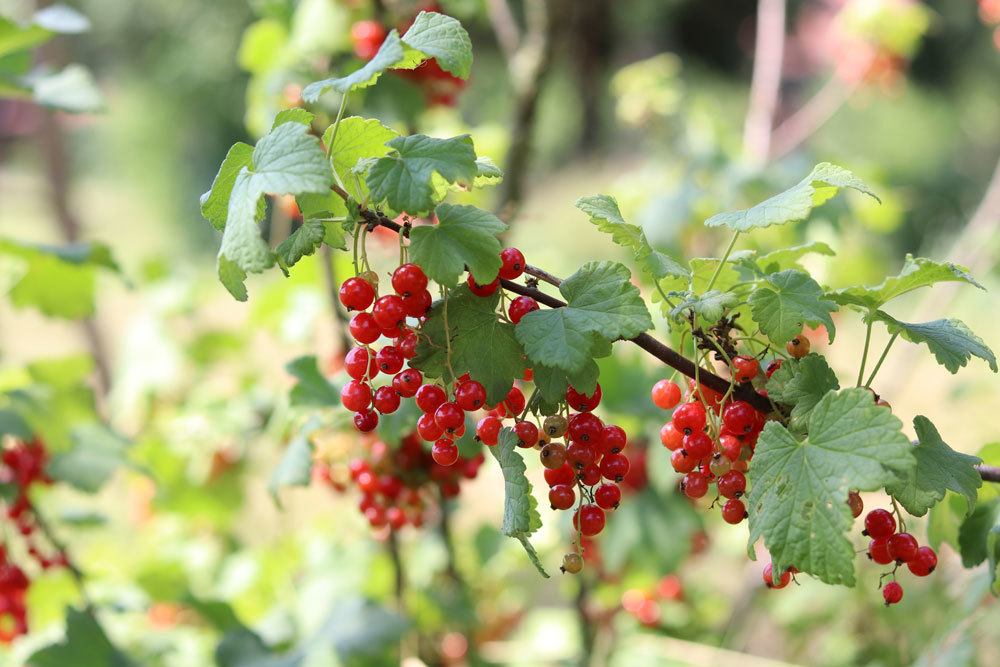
810	117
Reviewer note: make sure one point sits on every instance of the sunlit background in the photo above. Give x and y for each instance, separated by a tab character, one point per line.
183	545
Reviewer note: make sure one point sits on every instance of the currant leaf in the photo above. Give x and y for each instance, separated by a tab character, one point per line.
793	204
798	496
311	387
391	54
404	178
975	531
553	382
939	469
353	140
96	453
601	301
788	258
85	643
464	238
789	300
443	38
215	202
801	383
520	509
916	273
710	306
951	341
303	241
295	467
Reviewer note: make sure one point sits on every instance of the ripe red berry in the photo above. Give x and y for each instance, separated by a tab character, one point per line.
798	347
892	593
734	511
427	428
527	434
671	438
356	293
389	359
360	363
589	520
449	417
698	445
512	263
364	328
389	311
878	551
745	368
429	397
407	381
772	367
666	394
786	577
520	307
879	523
585	427
903	547
730	447
386	400
417	305
409	279
590	475
681	462
366	420
732	484
608	496
614	467
561	475
513	404
562	497
482	290
470	395
695	485
923	562
583	402
488	430
689	417
613	439
739	417
580	454
444	452
356	396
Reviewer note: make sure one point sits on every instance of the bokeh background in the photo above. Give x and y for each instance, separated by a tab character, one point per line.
648	100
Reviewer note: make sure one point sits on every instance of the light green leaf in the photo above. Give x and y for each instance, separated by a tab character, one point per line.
465	237
788	258
293	115
72	89
792	300
61	18
303	241
939	468
444	39
798	496
487	172
520	509
916	273
801	383
261	48
709	306
215	202
601	302
96	453
11	423
356	139
312	388
85	645
974	533
795	203
390	54
404	179
951	341
295	467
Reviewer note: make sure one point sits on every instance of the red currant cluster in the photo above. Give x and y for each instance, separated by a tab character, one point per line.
644	605
888	546
401	487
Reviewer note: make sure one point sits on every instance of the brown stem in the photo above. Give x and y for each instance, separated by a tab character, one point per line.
989	473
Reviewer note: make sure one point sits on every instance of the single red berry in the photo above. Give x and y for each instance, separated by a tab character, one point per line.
739	417
360	363
772	367
376	516
681	462
689	417
734	511
364	328
878	551
855	503
389	359
613	439
695	485
408	279
356	293
512	263
449	417
879	523
614	467
427	428
488	430
366	420
482	290
470	395
562	475
527	434
407	344
520	307
698	445
608	496
671	438
745	368
589	520
514	402
786	577
562	497
406	382
583	402
732	484
395	517
386	400
356	396
585	427
430	397
666	394
730	447
580	454
357	466
903	547
923	562
444	452
892	593
389	312
589	475
417	305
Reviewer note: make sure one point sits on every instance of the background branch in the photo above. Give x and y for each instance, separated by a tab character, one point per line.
765	86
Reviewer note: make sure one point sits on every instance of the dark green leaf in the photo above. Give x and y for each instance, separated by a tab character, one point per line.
312	388
85	645
951	341
465	236
520	509
404	179
790	300
915	274
801	383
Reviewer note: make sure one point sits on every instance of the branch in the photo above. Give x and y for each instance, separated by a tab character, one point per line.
810	117
765	86
504	26
989	473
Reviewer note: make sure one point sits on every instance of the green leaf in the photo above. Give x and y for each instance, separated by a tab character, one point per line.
939	468
444	39
312	388
293	115
288	160
97	452
605	214
520	509
295	468
303	241
601	302
390	54
795	203
553	382
792	301
798	496
993	558
11	423
487	172
710	306
974	533
801	383
85	645
788	258
356	139
465	237
404	179
951	341
215	202
72	89
916	273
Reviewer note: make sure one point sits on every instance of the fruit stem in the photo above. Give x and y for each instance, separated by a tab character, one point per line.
333	136
878	364
722	262
864	352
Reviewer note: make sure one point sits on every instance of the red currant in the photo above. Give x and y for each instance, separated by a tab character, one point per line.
585	427
553	455
695	485
409	279
734	511
732	484
427	428
923	562
562	497
527	434
730	447
482	290
520	307
798	347
878	551
583	402
386	400
892	593
739	417
689	418
389	359
367	36
366	420
561	475
356	293
356	396
430	397
406	382
613	439
417	305
608	496
855	503
772	367
389	312
745	368
681	462
666	394
879	523
488	430
470	395
786	577
360	363
580	454
449	417
444	452
364	328
903	547
698	445
590	475
671	438
514	402
589	520
512	263
614	467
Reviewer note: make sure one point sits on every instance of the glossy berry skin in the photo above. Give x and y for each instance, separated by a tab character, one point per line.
590	475
562	497
879	523
745	368
553	455
444	452
572	563
878	551
671	438
768	575
470	395
562	475
356	396
366	420
730	447
580	454
739	417
585	427
389	359
855	503
407	344
364	328
583	402
608	496
689	417
527	434
356	293
798	347
389	311
734	511
386	400
482	290
512	265
772	367
614	467
903	547
613	439
589	520
514	402
520	307
681	462
427	428
695	485
417	305
360	363
408	279
698	445
449	417
430	397
407	381
488	430
732	484
666	394
923	562
892	593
